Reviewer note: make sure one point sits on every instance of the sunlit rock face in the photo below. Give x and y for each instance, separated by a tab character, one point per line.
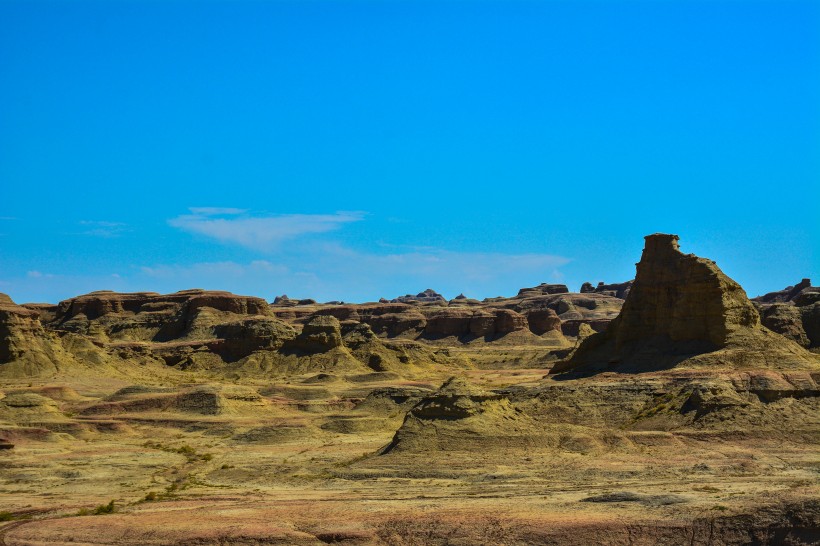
681	306
682	297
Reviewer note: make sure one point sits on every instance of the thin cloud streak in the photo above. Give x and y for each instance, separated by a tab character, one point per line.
215	211
260	233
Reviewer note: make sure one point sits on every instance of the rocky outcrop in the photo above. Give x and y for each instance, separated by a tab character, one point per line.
464	321
542	290
572	310
618	290
793	312
449	322
25	347
681	306
787	294
542	321
321	334
148	316
406	321
683	298
428	296
787	320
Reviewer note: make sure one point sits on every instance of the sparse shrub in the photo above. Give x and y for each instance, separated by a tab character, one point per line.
186	450
226	466
206	457
105	509
151	497
6	516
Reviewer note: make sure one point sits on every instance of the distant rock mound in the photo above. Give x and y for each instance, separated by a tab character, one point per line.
456	417
542	290
618	290
321	334
680	308
428	296
787	294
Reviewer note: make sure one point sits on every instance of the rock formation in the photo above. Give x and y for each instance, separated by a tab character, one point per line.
25	347
787	294
793	312
321	334
464	321
681	306
618	290
455	417
428	296
542	290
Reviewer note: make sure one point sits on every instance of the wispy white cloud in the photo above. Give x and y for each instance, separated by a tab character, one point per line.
261	233
34	274
215	211
316	267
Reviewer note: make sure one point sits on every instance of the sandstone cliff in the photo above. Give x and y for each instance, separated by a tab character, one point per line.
25	347
683	310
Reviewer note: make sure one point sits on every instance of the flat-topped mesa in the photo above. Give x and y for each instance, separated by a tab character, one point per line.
101	303
542	289
681	306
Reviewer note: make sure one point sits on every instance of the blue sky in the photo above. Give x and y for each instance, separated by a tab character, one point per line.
353	150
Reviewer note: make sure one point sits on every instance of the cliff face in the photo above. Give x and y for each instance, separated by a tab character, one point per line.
793	312
24	344
683	298
679	307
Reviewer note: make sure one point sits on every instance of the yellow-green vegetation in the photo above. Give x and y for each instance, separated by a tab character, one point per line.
189	452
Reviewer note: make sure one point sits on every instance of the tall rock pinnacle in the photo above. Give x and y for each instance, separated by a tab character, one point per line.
681	306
